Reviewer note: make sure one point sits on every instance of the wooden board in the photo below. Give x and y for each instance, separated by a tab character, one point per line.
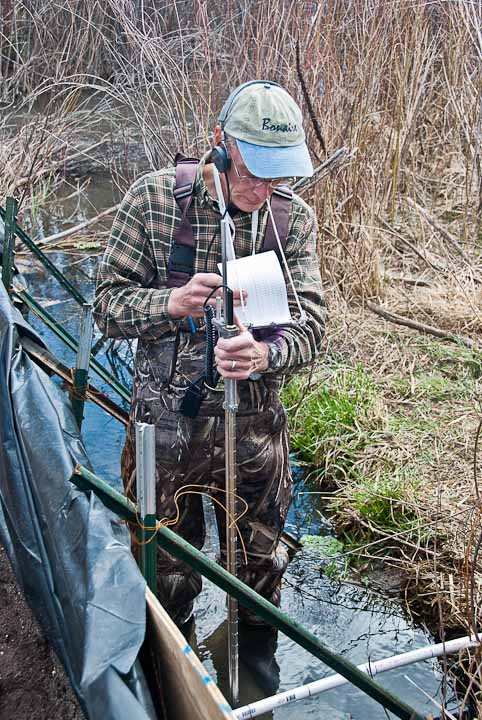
189	692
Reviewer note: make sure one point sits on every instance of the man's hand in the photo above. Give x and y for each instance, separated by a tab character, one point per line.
238	357
189	299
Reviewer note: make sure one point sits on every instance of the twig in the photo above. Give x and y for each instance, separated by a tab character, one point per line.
421	327
340	156
309	104
437	704
441	230
80	226
412	247
476	447
408	280
386	535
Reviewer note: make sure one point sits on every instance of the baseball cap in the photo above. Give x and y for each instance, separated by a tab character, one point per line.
268	126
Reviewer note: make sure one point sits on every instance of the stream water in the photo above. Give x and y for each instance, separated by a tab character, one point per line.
358	622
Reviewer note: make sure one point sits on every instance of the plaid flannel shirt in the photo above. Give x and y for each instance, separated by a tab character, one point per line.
132	296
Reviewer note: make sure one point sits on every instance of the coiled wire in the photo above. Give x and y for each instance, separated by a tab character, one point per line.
212	374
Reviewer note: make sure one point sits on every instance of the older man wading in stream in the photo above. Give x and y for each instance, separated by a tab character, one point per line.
152	285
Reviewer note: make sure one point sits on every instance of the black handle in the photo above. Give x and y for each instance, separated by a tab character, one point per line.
229	311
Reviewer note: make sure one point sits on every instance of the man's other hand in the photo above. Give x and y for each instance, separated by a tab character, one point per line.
238	357
189	299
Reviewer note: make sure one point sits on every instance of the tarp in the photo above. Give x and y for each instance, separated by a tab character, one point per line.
71	556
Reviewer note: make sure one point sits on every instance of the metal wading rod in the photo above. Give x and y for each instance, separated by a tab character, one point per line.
231	547
372	668
9	243
146	500
81	371
228	329
182	550
26	240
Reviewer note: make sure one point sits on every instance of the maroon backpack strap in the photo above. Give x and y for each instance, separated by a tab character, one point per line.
281	206
180	266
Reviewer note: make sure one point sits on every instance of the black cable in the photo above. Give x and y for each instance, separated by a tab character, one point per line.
212	293
228	198
212	375
209	248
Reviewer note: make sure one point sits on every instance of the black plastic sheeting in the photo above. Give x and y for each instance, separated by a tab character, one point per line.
71	556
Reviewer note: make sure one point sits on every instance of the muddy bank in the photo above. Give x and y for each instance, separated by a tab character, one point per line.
33	685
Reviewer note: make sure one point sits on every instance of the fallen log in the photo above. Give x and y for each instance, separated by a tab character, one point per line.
423	328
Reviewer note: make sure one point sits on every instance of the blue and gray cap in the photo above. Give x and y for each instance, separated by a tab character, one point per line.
268	126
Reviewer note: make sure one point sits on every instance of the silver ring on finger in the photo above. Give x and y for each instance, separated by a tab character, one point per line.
233	364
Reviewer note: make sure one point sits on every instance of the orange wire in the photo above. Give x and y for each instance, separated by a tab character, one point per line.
165	522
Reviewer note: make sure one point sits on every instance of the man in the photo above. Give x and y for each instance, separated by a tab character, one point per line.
261	143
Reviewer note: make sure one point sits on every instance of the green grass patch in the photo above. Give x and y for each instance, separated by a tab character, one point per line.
434	387
454	361
387	501
372	508
331	421
385	440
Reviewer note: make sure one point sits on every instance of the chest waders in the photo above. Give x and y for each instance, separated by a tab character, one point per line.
180	270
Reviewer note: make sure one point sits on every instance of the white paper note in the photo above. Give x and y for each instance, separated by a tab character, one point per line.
262	277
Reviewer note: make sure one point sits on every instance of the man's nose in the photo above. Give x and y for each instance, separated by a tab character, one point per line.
262	191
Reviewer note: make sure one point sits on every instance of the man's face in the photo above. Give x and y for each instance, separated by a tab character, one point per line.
248	193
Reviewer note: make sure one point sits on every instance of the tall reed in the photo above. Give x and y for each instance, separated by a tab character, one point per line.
397	83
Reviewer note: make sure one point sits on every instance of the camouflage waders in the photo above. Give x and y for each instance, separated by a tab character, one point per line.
191	451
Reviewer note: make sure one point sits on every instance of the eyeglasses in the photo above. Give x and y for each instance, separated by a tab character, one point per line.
256	182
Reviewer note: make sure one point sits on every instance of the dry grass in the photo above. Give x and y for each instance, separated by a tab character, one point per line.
397	83
406	475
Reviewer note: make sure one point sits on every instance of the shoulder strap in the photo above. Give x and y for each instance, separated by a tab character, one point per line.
181	260
280	205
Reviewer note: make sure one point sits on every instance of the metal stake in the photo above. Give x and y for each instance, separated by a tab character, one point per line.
146	500
9	243
81	372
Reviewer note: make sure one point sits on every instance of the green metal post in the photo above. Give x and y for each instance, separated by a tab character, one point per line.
9	242
68	340
11	229
81	370
182	550
26	240
146	501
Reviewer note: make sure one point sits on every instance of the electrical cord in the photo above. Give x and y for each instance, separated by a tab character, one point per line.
212	375
210	248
